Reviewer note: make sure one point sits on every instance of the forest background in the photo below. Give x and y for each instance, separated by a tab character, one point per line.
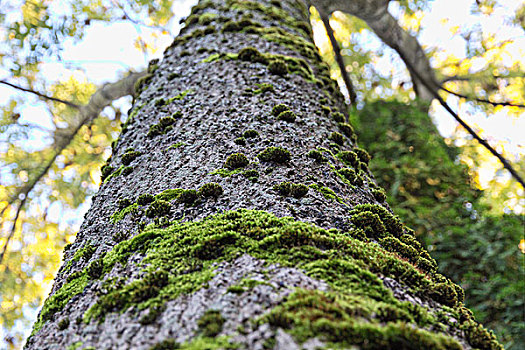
67	50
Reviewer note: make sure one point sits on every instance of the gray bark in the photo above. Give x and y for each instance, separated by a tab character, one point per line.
216	110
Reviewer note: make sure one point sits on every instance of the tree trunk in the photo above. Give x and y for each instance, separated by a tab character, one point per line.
236	212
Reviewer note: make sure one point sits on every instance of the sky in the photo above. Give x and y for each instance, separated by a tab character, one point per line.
107	50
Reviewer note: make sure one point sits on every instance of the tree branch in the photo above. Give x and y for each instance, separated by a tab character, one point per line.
98	101
338	58
70	104
12	232
375	14
471	131
481	100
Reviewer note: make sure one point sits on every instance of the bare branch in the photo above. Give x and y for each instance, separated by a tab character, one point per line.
338	58
375	14
103	97
13	228
471	131
70	104
482	100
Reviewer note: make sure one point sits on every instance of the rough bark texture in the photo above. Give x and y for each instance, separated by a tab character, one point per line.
206	233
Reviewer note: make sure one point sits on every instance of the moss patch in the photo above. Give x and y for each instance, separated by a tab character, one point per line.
180	259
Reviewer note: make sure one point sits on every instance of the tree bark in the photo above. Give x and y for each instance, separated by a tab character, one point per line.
237	212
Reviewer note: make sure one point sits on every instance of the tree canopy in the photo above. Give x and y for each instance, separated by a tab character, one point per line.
52	145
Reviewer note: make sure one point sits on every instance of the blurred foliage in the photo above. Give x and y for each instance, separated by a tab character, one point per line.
431	191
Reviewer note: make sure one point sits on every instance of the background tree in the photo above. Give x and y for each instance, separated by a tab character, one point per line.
34	16
435	196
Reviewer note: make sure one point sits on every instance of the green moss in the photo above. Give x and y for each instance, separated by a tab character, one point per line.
278	67
128	157
349	158
211	189
123	203
181	258
160	102
166	121
158	208
479	337
173	75
230	26
345	321
179	96
391	222
152	315
362	155
206	18
240	141
126	171
327	193
317	156
169	194
210	324
63	323
337	116
291	189
347	129
120	214
188	196
250	134
215	343
106	171
251	54
326	109
275	154
154	130
379	194
211	58
145	199
251	174
337	138
262	88
287	116
142	82
57	301
225	172
246	284
236	160
278	109
176	145
351	176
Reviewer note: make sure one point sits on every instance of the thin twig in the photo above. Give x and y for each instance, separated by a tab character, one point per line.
13	228
134	21
482	100
70	104
338	57
433	90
